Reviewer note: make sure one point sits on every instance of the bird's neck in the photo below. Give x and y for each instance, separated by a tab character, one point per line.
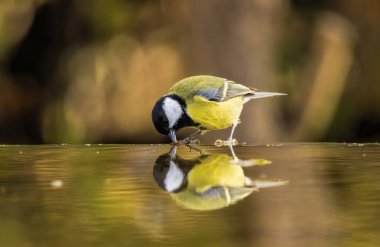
184	120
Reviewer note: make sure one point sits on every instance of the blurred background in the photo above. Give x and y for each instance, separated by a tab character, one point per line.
79	71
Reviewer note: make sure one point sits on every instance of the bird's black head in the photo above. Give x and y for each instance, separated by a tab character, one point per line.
169	115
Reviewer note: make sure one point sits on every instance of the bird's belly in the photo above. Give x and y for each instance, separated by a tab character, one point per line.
215	115
215	170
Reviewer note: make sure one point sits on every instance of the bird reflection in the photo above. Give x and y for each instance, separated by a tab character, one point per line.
208	181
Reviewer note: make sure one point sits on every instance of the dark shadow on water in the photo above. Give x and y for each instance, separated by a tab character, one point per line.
208	181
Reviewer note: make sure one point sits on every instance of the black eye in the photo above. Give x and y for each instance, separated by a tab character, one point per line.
165	120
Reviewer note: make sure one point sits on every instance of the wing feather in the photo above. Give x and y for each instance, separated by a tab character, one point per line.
228	90
210	87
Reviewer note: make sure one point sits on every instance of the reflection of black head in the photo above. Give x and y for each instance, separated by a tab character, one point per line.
162	166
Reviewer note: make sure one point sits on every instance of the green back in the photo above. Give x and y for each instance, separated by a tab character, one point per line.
210	87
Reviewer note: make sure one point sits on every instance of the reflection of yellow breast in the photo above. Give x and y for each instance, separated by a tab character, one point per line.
214	171
215	115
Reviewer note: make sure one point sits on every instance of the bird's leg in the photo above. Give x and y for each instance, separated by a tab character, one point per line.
232	132
195	149
188	139
230	140
236	159
227	194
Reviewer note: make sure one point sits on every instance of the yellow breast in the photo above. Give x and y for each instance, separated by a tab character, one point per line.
215	115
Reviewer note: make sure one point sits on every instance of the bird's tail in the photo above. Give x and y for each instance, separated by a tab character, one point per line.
258	95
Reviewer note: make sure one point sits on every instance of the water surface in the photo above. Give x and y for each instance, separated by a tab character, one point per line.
106	195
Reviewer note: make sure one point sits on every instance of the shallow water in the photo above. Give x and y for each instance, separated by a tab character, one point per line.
106	195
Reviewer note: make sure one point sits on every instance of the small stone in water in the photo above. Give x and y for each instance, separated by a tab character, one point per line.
56	183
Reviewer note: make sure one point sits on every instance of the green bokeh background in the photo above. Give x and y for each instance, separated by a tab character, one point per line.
78	71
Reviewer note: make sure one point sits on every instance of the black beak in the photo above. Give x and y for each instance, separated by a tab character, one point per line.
173	152
172	136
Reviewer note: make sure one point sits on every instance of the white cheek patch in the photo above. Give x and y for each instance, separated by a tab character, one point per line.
173	111
174	178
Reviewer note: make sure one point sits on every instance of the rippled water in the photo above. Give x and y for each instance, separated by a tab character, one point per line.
142	195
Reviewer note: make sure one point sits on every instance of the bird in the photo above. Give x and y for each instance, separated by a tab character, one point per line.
205	182
203	102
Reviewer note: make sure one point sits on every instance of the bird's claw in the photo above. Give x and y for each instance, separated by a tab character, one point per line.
186	141
229	142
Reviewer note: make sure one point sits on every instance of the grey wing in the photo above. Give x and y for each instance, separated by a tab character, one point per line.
211	94
228	90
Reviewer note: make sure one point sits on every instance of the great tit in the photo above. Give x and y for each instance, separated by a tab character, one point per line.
203	102
206	182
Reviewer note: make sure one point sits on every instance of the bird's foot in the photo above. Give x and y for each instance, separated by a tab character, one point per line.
186	141
192	148
229	142
189	141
